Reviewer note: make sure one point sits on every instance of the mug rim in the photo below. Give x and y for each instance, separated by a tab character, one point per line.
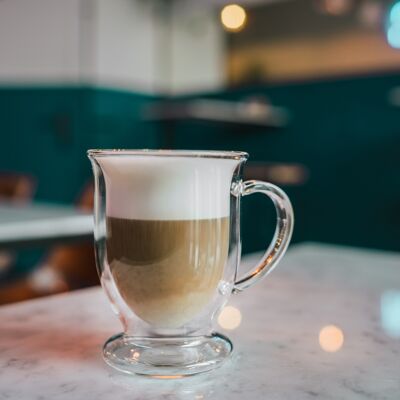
224	154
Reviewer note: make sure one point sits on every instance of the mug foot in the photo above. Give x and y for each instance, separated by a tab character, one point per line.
166	357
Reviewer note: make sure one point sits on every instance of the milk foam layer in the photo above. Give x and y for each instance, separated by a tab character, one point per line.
167	188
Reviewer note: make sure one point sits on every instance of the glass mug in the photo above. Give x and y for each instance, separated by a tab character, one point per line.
167	246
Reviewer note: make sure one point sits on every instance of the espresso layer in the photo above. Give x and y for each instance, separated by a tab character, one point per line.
167	271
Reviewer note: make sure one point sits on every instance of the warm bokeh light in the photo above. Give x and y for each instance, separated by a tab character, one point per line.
135	355
230	318
370	13
233	17
331	338
335	7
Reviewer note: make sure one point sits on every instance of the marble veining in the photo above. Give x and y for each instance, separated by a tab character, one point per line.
51	348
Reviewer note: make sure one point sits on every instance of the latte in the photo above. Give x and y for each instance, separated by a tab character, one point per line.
167	271
167	234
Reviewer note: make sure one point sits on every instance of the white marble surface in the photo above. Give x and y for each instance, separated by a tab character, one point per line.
51	348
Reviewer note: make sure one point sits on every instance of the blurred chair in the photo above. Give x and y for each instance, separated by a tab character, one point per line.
15	188
65	267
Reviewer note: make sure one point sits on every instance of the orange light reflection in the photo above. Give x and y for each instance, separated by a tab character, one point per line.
331	338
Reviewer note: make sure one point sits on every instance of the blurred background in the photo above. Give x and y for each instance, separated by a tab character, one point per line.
310	88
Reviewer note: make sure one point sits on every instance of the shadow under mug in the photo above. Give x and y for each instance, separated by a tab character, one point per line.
167	245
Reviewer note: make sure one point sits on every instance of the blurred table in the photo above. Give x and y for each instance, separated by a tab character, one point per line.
285	346
32	224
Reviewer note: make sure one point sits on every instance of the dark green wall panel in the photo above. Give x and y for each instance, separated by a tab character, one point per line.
344	132
348	136
46	132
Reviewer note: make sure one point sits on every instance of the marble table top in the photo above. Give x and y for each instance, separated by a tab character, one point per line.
325	324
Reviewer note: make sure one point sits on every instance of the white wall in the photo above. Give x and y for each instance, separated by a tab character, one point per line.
198	49
39	41
131	44
125	44
140	44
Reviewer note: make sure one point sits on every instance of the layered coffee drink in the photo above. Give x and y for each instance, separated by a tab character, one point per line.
167	242
167	271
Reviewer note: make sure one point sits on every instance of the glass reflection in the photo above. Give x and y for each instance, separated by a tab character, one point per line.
390	313
331	338
174	387
230	318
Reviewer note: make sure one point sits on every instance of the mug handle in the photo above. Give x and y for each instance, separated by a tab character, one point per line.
282	235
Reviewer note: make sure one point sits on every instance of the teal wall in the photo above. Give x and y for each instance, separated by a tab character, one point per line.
344	131
46	132
348	136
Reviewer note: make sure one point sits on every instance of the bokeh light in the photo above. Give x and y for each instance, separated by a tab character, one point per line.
370	13
335	7
394	14
230	318
393	36
233	17
390	313
331	338
393	28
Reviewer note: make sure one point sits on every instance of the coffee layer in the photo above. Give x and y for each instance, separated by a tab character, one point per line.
167	271
167	188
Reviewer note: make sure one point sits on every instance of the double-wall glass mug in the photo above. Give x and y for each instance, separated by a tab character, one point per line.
167	246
